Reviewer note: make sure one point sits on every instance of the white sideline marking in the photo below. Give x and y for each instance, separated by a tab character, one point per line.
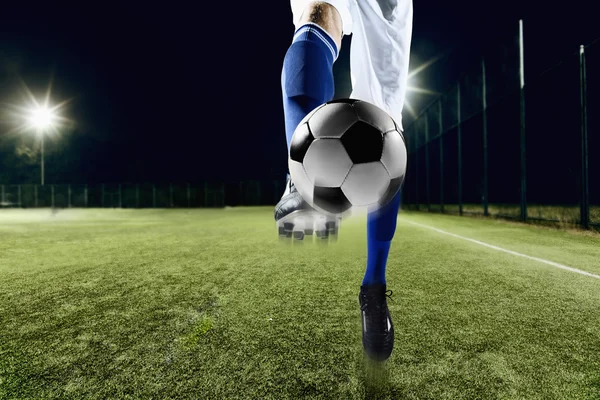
514	253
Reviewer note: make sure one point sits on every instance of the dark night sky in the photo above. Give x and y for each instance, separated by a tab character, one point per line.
186	92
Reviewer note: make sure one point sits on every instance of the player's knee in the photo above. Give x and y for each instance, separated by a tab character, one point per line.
326	16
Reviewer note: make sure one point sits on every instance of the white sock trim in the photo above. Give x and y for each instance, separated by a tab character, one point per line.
308	27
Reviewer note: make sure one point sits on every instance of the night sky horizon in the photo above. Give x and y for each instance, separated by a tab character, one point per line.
189	93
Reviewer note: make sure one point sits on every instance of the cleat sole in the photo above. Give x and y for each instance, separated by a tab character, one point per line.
301	223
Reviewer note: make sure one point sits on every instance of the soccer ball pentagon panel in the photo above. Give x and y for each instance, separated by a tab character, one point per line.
347	154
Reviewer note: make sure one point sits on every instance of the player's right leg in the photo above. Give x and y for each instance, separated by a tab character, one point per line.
379	58
306	83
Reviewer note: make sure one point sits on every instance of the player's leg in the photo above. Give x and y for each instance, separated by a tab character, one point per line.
391	79
306	83
379	58
307	73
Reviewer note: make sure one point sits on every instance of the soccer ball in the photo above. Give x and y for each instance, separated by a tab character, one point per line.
347	154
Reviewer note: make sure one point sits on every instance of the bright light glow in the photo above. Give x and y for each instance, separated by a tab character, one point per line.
414	88
424	66
42	118
421	90
38	116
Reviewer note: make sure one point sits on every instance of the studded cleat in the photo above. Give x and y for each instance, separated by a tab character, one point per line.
377	327
295	218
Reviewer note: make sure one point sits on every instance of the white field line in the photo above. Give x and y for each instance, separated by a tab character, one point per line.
514	253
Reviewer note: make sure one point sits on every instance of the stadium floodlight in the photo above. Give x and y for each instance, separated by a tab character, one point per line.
42	119
414	87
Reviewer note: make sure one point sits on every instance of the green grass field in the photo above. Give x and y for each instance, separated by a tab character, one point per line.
208	304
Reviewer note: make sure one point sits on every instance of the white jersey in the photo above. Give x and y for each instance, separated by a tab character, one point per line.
380	48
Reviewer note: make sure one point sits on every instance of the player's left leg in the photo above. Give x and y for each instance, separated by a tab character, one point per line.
379	65
307	82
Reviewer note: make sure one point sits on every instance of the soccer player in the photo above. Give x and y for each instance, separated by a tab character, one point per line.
379	55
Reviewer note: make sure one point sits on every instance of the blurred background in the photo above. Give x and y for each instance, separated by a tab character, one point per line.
178	106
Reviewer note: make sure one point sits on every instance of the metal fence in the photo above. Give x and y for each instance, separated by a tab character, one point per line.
176	195
496	144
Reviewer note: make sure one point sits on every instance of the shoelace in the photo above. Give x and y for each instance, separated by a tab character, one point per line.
371	300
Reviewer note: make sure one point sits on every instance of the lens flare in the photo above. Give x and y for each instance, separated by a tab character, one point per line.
41	117
413	88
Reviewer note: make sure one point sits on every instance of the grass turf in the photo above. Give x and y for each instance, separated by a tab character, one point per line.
208	304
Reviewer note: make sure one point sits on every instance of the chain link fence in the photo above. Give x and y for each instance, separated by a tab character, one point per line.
170	195
495	144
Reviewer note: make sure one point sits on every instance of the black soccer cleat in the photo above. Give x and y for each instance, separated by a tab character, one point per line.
377	327
296	218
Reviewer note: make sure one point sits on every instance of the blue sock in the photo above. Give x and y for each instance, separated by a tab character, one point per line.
381	226
307	75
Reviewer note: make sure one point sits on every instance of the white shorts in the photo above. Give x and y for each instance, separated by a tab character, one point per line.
379	51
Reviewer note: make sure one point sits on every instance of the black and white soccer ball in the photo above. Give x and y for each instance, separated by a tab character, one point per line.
347	154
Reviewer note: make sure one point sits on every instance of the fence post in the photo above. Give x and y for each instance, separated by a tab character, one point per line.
440	122
188	195
205	194
258	192
153	195
485	141
85	195
222	194
417	173
35	195
585	184
69	196
427	182
522	125
459	132
52	195
408	195
276	191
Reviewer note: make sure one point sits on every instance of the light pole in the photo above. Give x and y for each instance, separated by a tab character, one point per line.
42	118
42	172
